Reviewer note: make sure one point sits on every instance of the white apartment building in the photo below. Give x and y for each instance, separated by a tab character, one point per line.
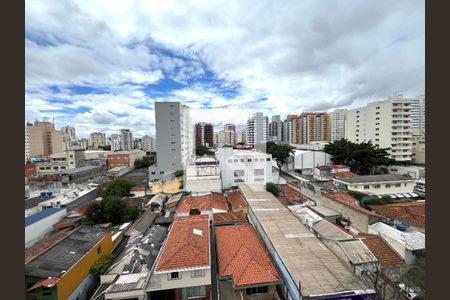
248	166
27	145
240	137
174	137
221	138
126	139
114	141
337	120
386	123
418	115
97	139
148	143
257	128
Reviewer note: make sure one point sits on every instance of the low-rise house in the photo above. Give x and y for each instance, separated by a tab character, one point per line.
388	258
353	216
138	191
229	218
245	268
236	201
249	166
62	270
376	184
305	161
183	267
203	176
406	215
325	172
202	205
406	244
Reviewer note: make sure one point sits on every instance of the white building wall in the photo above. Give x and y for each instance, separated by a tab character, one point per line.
383	189
306	161
37	230
202	179
160	280
337	120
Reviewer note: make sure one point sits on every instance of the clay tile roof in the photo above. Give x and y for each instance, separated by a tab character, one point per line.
45	244
242	256
290	195
345	174
183	248
339	166
203	202
83	208
48	282
387	257
348	200
236	200
411	213
230	217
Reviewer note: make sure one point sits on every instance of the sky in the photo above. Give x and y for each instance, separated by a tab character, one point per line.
101	65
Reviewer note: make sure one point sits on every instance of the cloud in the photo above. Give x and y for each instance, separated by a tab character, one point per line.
224	59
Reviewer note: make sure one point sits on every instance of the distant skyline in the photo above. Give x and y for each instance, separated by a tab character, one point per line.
101	65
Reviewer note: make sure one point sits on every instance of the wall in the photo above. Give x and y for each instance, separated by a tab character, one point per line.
38	294
30	170
159	281
171	186
308	160
75	275
37	230
358	220
118	160
405	187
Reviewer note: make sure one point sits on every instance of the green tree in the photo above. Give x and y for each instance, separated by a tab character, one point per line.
94	214
101	265
145	162
117	187
201	150
279	152
362	158
131	213
114	209
273	188
179	173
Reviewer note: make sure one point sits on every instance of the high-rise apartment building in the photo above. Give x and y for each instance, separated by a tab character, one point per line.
287	131
418	115
296	131
276	129
337	124
314	126
229	134
27	145
257	129
240	136
148	143
204	134
386	123
68	137
114	142
174	137
126	139
221	138
97	139
43	139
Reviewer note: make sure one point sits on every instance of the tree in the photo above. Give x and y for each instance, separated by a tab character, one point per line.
362	158
131	213
114	209
273	188
201	150
101	265
179	173
280	152
94	214
145	162
117	187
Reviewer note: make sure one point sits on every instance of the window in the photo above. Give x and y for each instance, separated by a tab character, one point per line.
99	250
377	107
268	159
198	273
259	179
242	160
71	155
235	160
257	290
238	180
193	292
55	168
162	172
366	187
238	173
377	186
378	113
230	161
388	185
174	276
153	173
258	172
398	185
249	160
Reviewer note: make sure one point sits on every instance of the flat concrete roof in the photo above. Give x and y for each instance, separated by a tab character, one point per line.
308	261
374	178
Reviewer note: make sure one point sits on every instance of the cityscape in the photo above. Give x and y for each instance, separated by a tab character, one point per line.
186	179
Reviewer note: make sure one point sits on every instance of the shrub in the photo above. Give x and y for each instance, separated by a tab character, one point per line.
273	188
101	265
117	187
179	173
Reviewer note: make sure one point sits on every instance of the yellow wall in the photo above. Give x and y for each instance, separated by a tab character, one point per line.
69	282
168	186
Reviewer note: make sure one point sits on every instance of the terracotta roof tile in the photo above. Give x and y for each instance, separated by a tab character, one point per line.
183	248
230	217
203	202
290	195
345	174
236	200
348	200
45	244
411	213
242	256
387	257
48	282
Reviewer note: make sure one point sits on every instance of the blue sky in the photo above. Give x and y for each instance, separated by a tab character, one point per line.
101	65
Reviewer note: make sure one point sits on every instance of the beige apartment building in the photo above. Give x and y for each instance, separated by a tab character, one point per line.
43	139
386	123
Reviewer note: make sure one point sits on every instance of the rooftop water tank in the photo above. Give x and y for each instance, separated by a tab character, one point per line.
401	227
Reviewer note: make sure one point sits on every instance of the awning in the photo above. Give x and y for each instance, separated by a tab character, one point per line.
48	283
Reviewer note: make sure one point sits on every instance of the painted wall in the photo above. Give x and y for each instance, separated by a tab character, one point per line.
75	276
40	228
160	281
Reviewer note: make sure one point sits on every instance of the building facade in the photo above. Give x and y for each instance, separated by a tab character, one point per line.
148	143
257	128
204	133
96	140
314	127
386	123
43	139
275	129
126	140
237	166
418	115
174	137
229	134
337	124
